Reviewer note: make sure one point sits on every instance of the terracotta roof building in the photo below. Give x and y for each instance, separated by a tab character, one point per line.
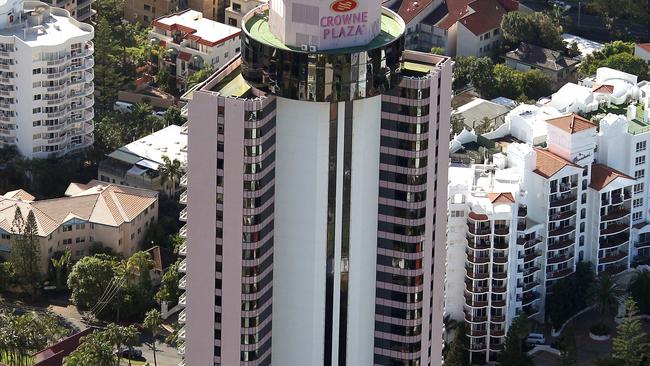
602	176
460	27
114	216
192	42
571	123
548	164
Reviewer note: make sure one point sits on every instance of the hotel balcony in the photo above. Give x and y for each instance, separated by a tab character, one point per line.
498	303
478	243
614	228
561	231
183	198
501	243
529	243
612	258
470	302
529	297
182	282
182	300
183	182
499	289
497	318
562	215
615	215
183	231
477	332
477	259
532	256
556	275
499	274
557	245
183	266
183	215
501	230
182	316
478	229
563	200
478	347
531	270
500	259
531	285
476	275
555	259
471	318
642	244
183	249
469	287
614	241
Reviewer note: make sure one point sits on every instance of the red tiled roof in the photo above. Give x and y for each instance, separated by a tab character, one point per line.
605	88
602	176
456	10
487	15
53	355
411	8
501	197
571	123
644	46
548	163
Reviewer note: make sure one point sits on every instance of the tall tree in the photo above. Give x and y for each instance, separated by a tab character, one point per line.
171	171
606	295
513	353
535	28
568	351
60	266
169	291
89	278
152	323
95	349
23	335
630	345
120	336
25	252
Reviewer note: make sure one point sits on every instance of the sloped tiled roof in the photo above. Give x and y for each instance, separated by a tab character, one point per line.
602	176
505	197
541	57
486	15
644	46
19	194
96	202
571	123
548	164
605	88
409	9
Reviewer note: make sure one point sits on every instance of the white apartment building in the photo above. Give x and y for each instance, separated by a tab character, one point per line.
192	42
237	8
46	80
585	192
79	9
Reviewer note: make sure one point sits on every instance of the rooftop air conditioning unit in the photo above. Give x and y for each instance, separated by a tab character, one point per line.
304	47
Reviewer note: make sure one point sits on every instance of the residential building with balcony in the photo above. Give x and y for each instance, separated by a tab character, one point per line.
116	217
145	11
80	10
138	164
238	8
46	80
315	200
494	256
192	41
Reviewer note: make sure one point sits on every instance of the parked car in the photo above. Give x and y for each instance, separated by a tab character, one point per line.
159	114
133	354
535	338
122	106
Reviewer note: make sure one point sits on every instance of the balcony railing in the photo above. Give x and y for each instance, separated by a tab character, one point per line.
611	258
561	244
563	200
559	274
614	241
614	229
561	231
555	259
615	215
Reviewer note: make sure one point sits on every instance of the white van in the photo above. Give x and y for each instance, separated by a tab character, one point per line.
122	106
535	338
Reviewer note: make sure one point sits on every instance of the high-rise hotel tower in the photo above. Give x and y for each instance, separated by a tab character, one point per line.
316	202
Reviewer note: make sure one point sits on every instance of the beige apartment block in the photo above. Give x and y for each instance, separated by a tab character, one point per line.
117	217
211	9
145	11
238	8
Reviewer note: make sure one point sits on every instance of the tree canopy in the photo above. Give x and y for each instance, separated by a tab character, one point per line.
532	27
617	55
630	345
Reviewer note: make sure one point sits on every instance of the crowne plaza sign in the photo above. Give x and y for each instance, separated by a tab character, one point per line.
344	22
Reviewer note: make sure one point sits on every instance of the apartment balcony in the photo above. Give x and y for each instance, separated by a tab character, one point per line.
182	300
181	349
613	270
183	198
181	333
614	229
500	274
530	286
555	259
500	243
501	230
556	275
532	256
470	302
474	290
642	244
615	215
474	319
183	250
563	200
478	347
183	182
500	259
498	303
562	215
612	258
529	271
478	244
561	244
184	127
57	75
521	225
183	266
183	215
476	275
497	318
182	317
561	231
529	297
497	332
522	211
614	241
478	231
499	289
529	243
88	127
183	232
480	259
477	332
619	198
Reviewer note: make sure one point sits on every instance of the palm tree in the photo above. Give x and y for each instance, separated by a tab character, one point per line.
170	171
606	294
450	325
152	322
60	265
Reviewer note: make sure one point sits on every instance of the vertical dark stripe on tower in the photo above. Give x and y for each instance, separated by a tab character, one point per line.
345	235
331	225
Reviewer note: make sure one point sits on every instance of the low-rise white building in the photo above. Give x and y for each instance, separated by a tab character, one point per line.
46	80
642	50
192	41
